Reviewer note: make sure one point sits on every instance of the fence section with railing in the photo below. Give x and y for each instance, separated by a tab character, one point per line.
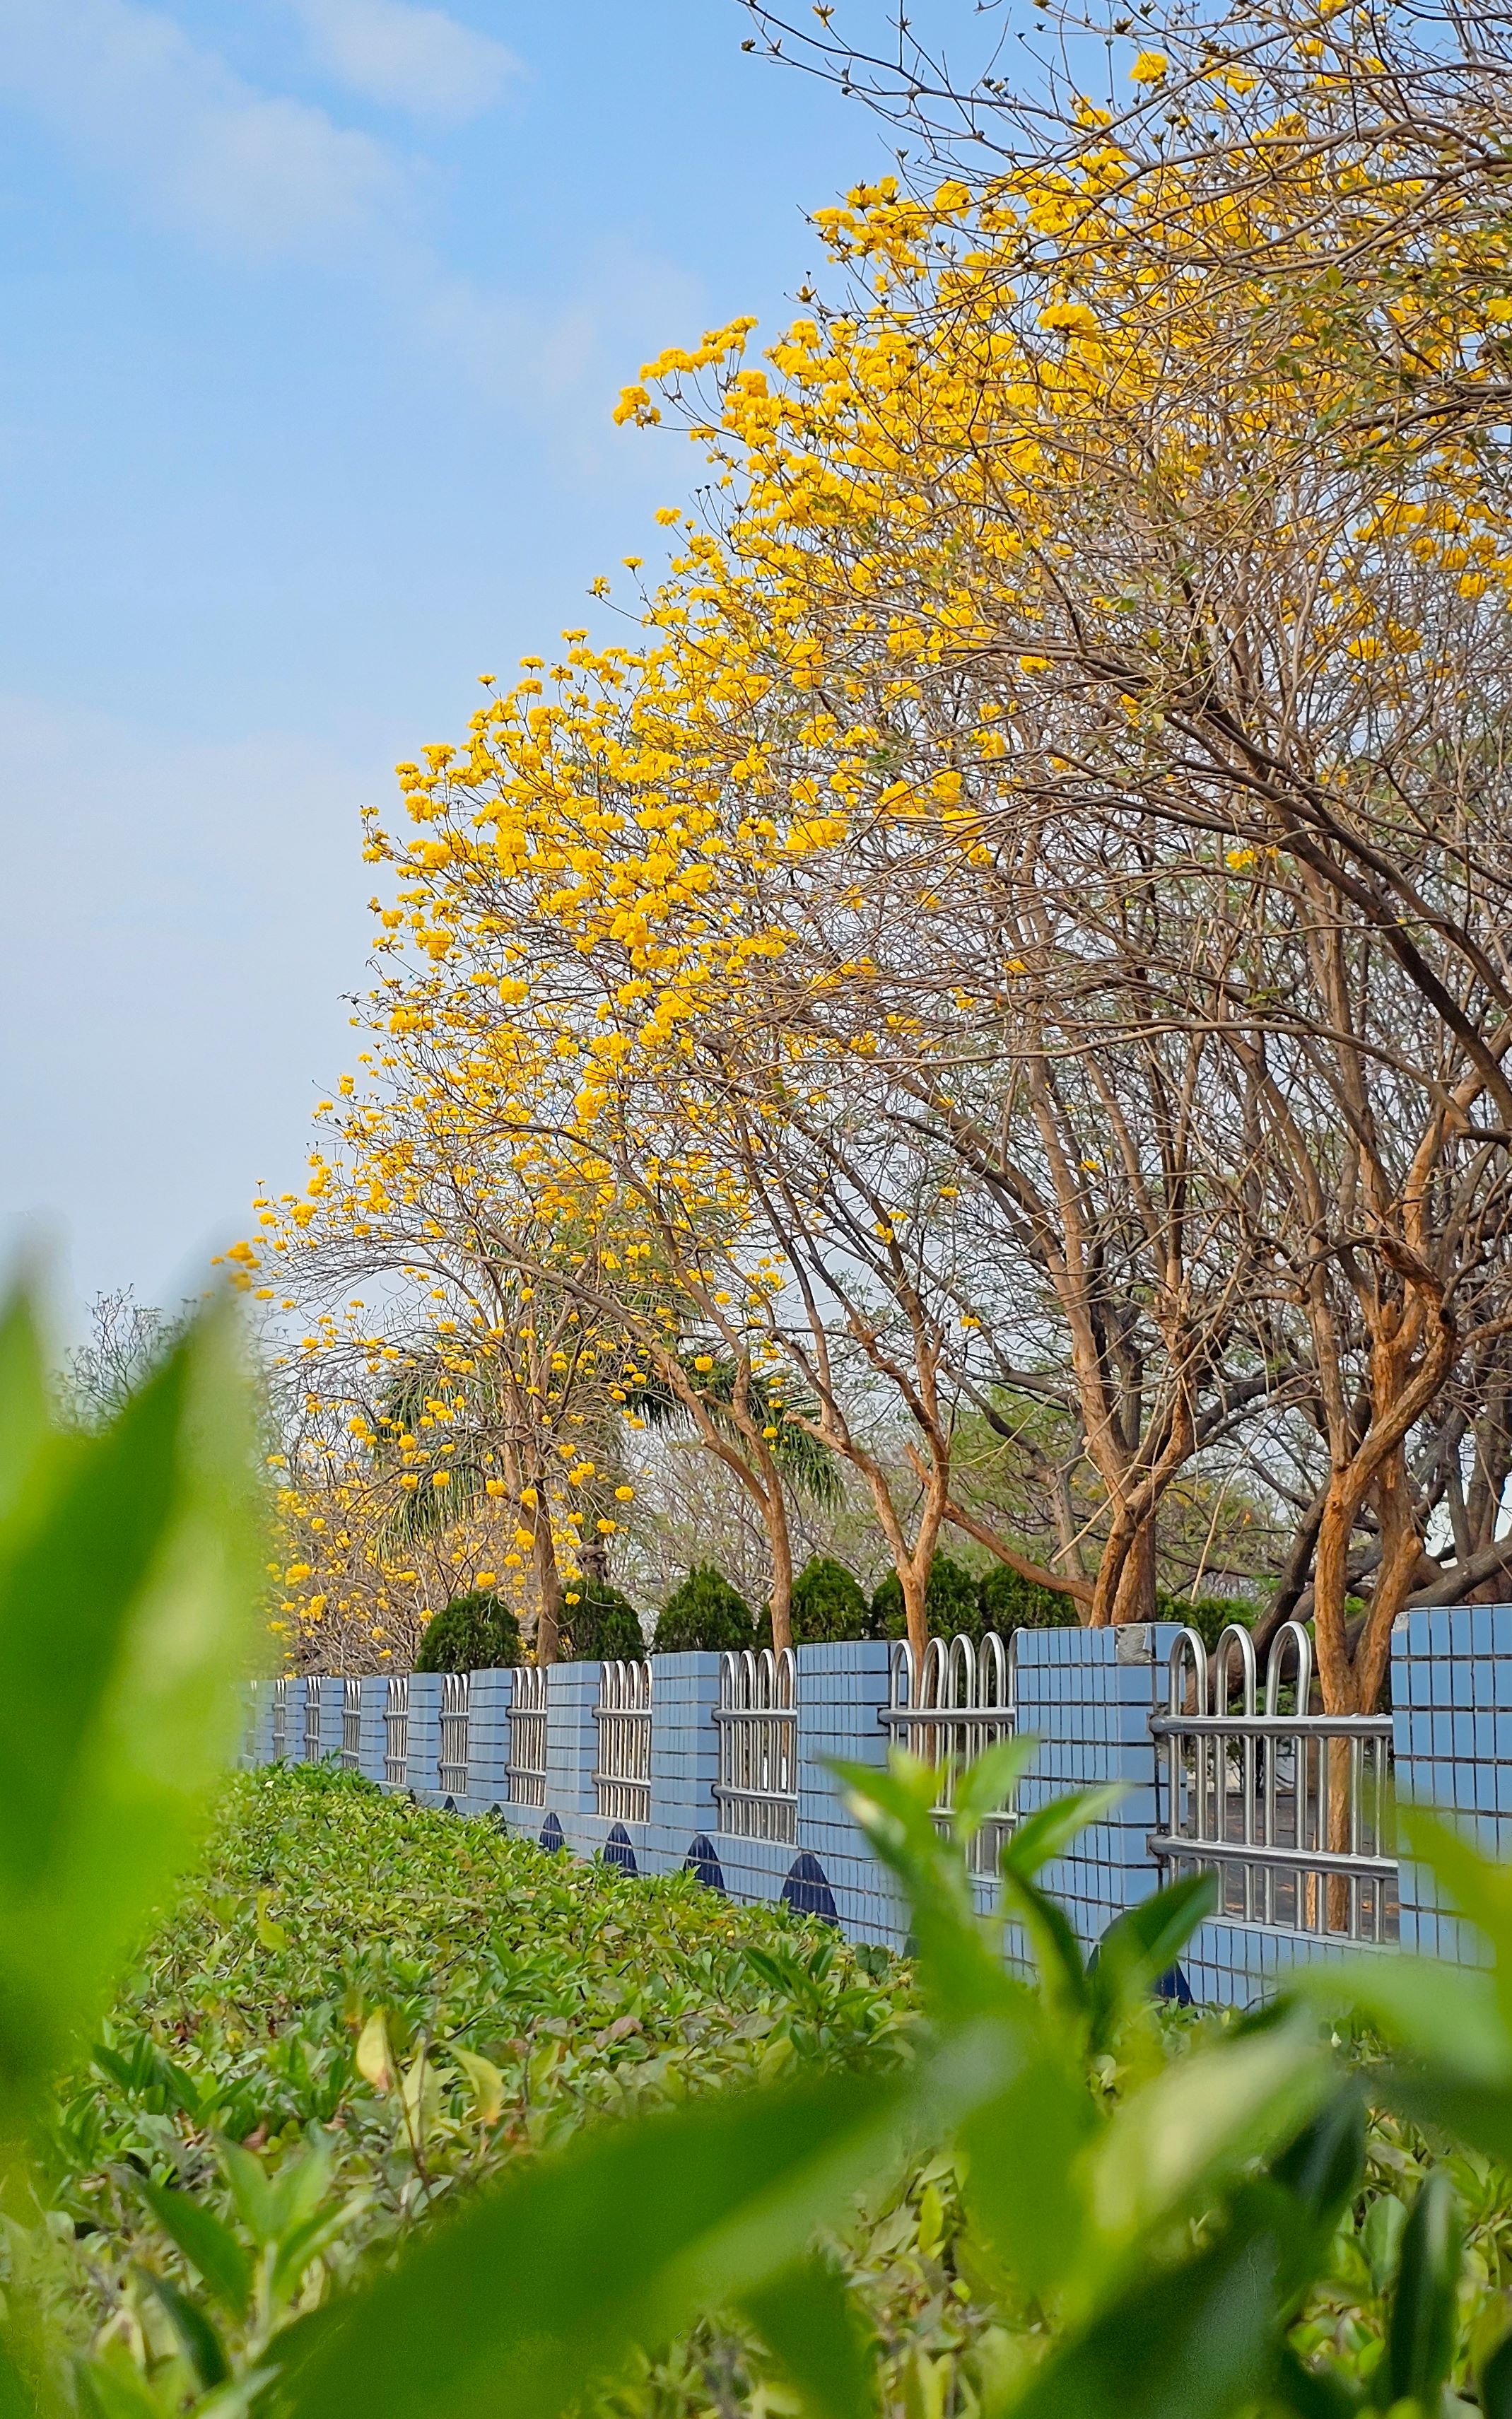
621	1767
452	1755
949	1710
396	1732
527	1737
1289	1807
351	1726
314	1697
757	1720
1220	1766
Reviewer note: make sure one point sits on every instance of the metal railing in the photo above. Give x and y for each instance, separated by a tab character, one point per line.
1289	1808
280	1736
251	1708
757	1717
313	1689
527	1737
351	1726
622	1776
962	1700
397	1732
452	1749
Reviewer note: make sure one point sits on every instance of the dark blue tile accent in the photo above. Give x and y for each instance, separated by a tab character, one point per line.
703	1858
552	1834
807	1890
618	1850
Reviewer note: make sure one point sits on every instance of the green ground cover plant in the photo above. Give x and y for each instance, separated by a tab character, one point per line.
783	2178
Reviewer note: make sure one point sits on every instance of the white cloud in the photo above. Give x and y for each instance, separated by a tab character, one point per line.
413	58
124	87
268	175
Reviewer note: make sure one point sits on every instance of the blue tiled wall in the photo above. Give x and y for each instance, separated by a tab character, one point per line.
1086	1695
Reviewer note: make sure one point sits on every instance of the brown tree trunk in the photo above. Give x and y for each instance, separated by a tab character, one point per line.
915	1585
548	1585
781	1542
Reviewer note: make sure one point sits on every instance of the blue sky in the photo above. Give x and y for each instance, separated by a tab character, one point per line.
313	314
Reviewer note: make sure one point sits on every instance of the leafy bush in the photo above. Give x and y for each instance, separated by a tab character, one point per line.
951	1605
1009	1601
476	1632
705	1612
603	1626
828	1604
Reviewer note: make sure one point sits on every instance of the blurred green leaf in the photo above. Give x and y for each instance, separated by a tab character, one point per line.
203	2240
1496	2382
1142	1944
1025	2188
813	2329
1420	2343
25	1432
1322	2165
108	2390
203	2348
987	1785
127	1576
516	2307
1052	1936
961	1971
1447	2014
1196	2342
1200	2122
1038	1839
250	2191
1314	2394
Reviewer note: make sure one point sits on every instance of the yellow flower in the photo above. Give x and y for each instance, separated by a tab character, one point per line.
1149	67
1070	319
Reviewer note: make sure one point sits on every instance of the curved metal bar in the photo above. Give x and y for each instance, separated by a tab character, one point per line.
901	1677
1290	1637
1234	1641
1188	1654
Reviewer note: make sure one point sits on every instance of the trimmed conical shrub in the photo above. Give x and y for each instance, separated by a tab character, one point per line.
705	1612
829	1603
474	1633
603	1626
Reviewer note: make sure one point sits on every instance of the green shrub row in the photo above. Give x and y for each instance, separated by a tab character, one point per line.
478	1632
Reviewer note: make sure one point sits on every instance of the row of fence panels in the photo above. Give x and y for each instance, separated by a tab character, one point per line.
723	1764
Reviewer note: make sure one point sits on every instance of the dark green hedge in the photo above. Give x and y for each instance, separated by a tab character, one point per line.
705	1612
603	1626
474	1633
